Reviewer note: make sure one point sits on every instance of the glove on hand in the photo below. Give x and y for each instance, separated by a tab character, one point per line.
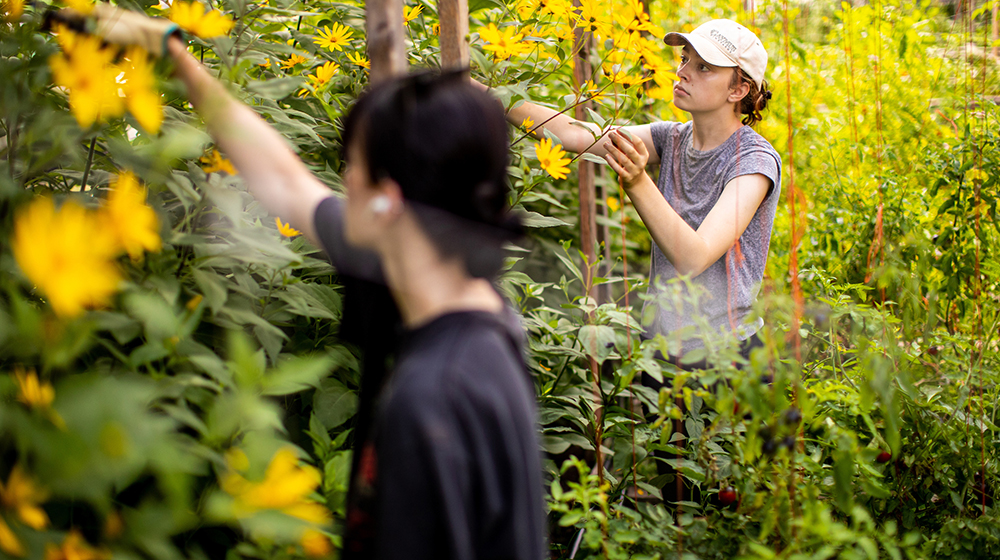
122	27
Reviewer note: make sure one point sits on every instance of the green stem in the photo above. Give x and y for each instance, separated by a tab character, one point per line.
90	161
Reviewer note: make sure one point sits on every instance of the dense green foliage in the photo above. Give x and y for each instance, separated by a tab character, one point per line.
878	436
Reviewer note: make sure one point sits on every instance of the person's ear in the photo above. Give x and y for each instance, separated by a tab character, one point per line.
737	93
388	200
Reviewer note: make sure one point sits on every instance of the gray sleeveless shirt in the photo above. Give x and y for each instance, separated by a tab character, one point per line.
692	182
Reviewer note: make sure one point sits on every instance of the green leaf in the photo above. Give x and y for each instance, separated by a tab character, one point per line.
598	341
276	88
297	374
334	403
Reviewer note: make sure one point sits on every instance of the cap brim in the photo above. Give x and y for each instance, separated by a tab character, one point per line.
706	49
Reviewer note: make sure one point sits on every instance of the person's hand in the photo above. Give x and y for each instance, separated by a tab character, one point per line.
627	156
122	27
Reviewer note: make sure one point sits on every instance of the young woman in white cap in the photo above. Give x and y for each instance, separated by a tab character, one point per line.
711	210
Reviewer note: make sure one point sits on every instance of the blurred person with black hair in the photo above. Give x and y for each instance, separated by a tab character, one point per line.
450	466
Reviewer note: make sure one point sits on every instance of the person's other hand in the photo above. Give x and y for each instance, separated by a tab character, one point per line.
122	27
627	156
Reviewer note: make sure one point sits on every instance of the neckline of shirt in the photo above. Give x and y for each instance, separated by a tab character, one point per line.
700	154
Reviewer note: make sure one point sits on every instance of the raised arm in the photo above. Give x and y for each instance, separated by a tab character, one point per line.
690	251
575	136
273	174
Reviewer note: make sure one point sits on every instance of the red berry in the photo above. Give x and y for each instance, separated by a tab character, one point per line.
884	457
727	496
933	350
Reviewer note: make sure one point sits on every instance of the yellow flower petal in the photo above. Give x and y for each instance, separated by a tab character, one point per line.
214	162
335	38
191	17
141	96
32	392
285	229
286	487
9	542
551	159
133	223
22	495
87	71
11	9
68	254
315	544
411	13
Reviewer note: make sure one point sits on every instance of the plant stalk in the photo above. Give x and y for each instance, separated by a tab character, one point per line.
90	162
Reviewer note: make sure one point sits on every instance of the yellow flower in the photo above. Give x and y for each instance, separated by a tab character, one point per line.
321	77
11	9
191	17
133	223
315	544
527	123
293	60
560	9
141	96
503	44
22	496
67	253
436	29
8	541
86	70
411	13
591	18
74	547
623	78
359	59
334	39
82	6
32	392
612	203
286	487
592	91
551	158
285	229
214	163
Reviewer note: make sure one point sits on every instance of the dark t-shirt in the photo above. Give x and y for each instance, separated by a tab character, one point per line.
451	467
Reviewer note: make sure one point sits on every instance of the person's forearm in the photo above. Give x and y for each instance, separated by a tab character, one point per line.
573	137
274	175
681	244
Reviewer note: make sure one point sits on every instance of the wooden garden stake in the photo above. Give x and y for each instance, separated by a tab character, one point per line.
454	16
996	30
588	208
386	50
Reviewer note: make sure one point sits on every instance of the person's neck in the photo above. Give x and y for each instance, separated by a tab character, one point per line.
710	130
427	286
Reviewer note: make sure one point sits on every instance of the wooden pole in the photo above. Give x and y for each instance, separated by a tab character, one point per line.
386	49
588	210
995	35
454	16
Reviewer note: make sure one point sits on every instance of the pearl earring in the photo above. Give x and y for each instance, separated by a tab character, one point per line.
380	205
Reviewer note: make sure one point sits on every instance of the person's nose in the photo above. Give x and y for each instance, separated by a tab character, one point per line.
682	72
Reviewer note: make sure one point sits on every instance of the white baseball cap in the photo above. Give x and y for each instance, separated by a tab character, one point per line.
723	42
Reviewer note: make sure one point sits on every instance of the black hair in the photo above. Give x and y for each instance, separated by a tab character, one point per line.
445	143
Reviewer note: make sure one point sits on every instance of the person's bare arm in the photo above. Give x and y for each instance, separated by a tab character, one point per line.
571	132
272	172
690	251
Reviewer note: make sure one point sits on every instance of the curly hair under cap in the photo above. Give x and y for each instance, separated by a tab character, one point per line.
755	102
